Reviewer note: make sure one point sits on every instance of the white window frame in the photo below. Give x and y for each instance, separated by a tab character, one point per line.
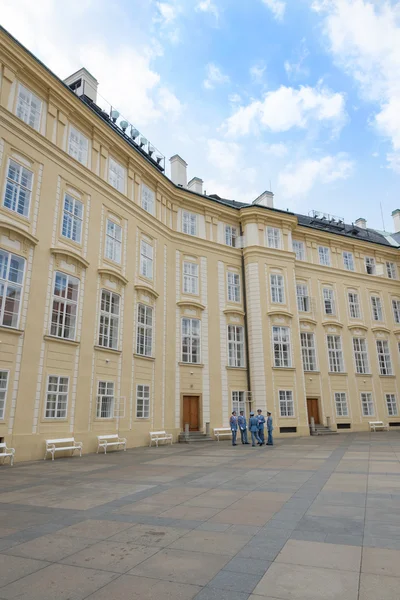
328	296
308	351
281	345
239	401
9	287
26	109
113	246
391	405
146	259
72	219
191	338
324	256
303	298
376	307
116	175
64	312
367	404
3	392
299	249
273	235
105	399
341	406
18	190
142	401
354	305
348	261
360	352
190	278
144	329
384	357
231	235
286	404
189	223
60	409
148	199
233	286
391	270
370	265
109	320
277	287
236	349
396	310
335	353
78	145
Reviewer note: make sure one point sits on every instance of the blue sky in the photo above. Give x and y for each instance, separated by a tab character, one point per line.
304	94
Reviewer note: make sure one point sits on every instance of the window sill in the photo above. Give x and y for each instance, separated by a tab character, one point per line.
141	419
341	373
105	419
77	246
385	376
16	215
53	420
363	374
236	368
54	338
12	330
313	372
284	368
104	349
197	365
151	358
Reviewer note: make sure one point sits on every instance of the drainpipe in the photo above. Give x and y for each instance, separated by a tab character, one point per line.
246	331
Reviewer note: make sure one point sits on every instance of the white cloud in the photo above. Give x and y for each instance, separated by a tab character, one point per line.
257	73
214	77
295	69
167	12
277	7
231	177
364	38
278	150
286	108
297	179
208	6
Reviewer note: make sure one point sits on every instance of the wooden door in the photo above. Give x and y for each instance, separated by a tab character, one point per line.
313	410
191	406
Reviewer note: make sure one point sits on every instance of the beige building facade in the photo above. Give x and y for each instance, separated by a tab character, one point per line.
133	302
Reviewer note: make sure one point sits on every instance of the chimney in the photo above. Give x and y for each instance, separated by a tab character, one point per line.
196	185
265	199
83	84
396	220
178	170
362	223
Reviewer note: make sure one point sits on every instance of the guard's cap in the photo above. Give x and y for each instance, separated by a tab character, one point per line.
252	414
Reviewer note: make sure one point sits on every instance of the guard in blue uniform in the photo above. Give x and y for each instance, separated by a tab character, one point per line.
261	423
233	423
270	428
253	428
243	427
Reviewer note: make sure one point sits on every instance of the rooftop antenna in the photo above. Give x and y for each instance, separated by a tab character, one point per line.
383	222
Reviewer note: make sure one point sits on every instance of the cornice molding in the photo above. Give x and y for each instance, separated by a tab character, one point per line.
8	226
234	311
191	303
67	253
280	313
113	273
146	289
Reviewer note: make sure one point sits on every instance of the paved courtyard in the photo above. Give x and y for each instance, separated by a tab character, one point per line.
308	519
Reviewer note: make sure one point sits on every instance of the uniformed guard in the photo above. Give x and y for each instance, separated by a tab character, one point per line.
261	423
253	428
270	428
243	427
233	423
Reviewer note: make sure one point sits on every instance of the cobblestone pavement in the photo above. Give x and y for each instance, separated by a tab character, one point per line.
308	519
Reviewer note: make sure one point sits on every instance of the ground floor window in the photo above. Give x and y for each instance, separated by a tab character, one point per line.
105	400
239	401
286	405
341	404
3	392
367	404
57	397
142	401
391	404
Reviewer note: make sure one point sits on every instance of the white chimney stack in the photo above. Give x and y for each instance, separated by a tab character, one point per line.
196	185
178	170
396	220
83	84
265	199
362	223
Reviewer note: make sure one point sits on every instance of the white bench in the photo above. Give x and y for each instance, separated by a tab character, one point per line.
222	431
6	453
61	445
160	436
374	425
104	441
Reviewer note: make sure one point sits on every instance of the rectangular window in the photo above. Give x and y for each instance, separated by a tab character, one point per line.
3	392
391	404
238	402
190	278
286	404
376	305
148	199
384	359
273	237
348	261
116	175
18	192
282	351
189	223
56	397
231	234
361	355
233	287
144	337
303	299
78	145
354	305
391	270
299	249
335	354
142	401
235	346
113	241
367	404
105	400
396	310
29	107
277	289
191	341
146	259
72	219
341	404
109	319
65	306
324	256
11	278
370	265
308	351
329	301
